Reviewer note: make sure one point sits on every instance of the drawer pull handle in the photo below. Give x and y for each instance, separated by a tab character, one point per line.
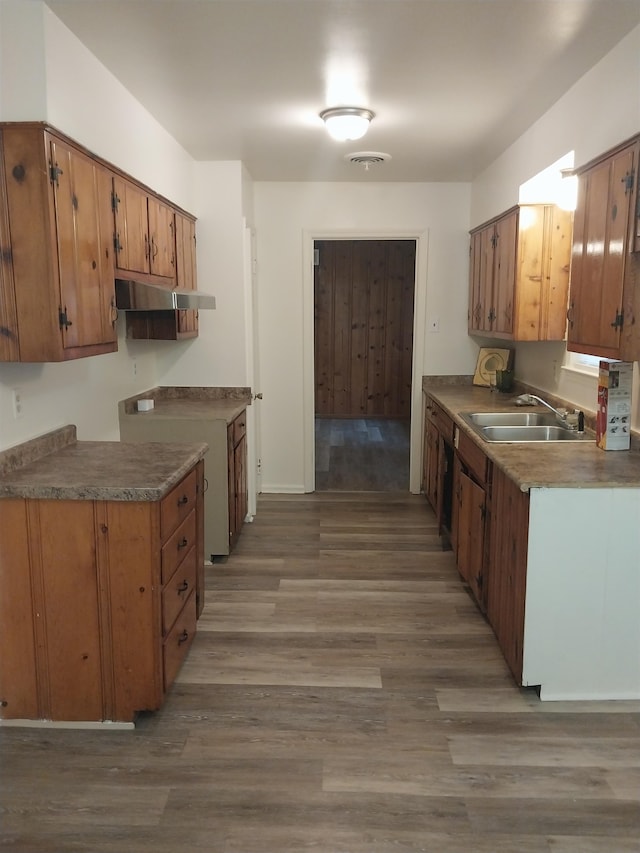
184	586
183	500
183	638
183	543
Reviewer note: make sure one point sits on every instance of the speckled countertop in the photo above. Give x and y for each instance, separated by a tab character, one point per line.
57	466
567	464
198	403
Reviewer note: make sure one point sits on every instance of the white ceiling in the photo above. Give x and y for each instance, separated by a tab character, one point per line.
452	82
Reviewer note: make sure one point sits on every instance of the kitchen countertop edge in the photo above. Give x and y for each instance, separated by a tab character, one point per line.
575	464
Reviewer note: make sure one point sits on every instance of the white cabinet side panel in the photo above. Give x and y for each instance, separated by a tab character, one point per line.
582	616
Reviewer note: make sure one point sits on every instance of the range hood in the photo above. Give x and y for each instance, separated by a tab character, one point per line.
140	296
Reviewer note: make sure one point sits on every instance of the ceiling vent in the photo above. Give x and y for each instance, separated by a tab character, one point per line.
367	158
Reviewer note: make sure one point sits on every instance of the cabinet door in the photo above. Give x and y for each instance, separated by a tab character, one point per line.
599	256
481	279
186	276
82	193
131	226
504	273
18	673
240	473
507	568
431	464
162	254
9	350
67	607
471	499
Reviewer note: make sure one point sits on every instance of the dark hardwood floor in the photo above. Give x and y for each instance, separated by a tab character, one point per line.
362	454
343	695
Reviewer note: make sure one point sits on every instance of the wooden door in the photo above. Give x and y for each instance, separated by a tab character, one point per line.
162	255
131	226
82	196
364	292
598	260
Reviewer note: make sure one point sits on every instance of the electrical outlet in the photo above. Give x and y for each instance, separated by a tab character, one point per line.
17	403
134	367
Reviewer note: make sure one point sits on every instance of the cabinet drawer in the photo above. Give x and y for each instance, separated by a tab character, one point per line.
178	641
177	504
441	419
472	456
178	546
239	427
178	590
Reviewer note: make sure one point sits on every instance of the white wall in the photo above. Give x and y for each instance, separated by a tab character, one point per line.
288	216
218	355
47	74
599	111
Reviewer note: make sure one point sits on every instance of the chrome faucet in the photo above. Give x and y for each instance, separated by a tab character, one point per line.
532	399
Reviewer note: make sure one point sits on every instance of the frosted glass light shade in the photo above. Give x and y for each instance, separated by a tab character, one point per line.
345	123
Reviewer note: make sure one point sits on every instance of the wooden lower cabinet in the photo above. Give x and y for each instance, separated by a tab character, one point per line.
237	474
97	602
225	468
471	512
438	463
507	568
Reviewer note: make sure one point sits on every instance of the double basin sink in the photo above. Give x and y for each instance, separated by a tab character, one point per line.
519	426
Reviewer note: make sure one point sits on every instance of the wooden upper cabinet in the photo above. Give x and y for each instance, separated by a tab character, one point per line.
57	298
604	303
519	274
131	226
144	233
186	274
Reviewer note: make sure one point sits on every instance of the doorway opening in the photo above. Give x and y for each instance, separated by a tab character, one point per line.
364	293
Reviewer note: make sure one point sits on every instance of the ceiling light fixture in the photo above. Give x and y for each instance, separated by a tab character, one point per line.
346	122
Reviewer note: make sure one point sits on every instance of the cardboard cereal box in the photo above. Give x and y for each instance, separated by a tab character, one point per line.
613	417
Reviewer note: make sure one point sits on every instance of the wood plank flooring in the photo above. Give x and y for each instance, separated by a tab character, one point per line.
343	695
362	454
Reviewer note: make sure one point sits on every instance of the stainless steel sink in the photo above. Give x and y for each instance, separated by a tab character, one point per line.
528	433
519	426
511	418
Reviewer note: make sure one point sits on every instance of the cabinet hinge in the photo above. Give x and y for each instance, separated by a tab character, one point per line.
619	320
54	173
628	182
494	241
63	320
491	316
117	245
115	201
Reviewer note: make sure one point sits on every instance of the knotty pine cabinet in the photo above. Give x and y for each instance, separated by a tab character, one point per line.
158	244
604	303
237	472
225	472
57	294
437	478
519	274
98	602
507	568
471	513
144	234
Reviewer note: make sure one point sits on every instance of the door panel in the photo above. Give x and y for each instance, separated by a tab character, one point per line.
363	303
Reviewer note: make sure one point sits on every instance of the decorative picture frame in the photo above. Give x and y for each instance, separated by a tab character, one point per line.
489	360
